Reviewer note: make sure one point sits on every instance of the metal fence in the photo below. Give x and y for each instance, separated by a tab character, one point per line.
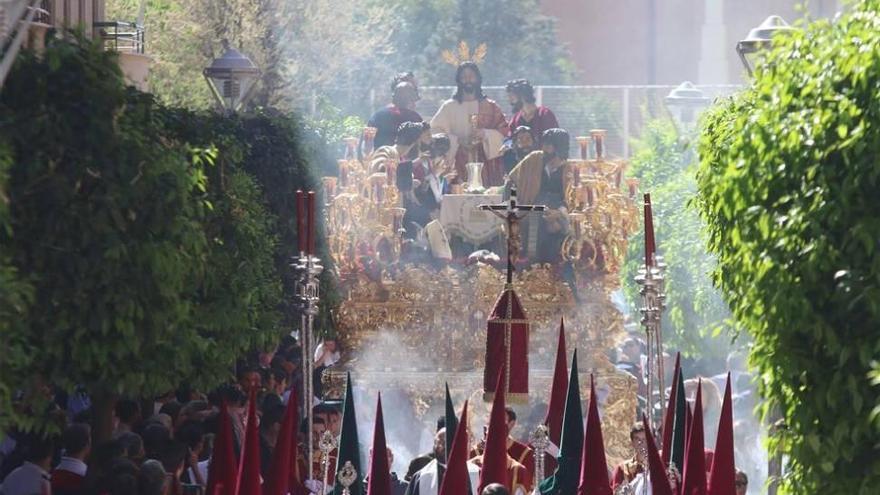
622	110
123	37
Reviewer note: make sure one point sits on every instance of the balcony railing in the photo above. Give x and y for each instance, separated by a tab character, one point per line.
123	37
43	13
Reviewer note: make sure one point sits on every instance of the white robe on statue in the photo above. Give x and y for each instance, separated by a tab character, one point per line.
454	119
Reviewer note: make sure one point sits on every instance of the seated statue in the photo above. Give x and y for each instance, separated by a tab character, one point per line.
542	177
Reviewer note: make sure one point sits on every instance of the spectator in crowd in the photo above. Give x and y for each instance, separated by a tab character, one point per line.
495	489
132	446
32	477
155	437
122	478
192	434
398	486
270	427
173	458
741	482
152	478
248	379
68	477
172	409
128	415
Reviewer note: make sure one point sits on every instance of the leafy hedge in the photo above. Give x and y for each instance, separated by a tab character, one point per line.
788	187
142	247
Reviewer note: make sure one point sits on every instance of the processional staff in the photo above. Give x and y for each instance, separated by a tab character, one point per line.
540	441
307	268
327	444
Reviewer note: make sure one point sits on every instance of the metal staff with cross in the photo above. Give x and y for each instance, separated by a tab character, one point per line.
511	212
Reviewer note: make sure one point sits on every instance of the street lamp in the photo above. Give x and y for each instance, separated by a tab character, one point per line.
232	79
685	103
759	39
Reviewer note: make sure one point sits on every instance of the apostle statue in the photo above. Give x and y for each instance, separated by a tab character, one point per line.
476	126
543	177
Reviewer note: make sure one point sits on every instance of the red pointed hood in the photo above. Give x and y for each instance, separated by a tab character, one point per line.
223	470
495	454
278	480
594	468
508	300
380	471
656	467
456	480
694	476
249	482
722	481
688	422
669	415
650	243
556	406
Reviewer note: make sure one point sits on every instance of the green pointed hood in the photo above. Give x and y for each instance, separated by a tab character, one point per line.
565	480
451	423
679	427
349	445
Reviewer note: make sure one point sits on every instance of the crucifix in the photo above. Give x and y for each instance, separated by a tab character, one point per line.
511	212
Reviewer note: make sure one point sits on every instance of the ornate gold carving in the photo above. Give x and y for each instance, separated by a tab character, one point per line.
413	327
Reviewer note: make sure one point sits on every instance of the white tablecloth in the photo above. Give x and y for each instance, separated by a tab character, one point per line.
461	217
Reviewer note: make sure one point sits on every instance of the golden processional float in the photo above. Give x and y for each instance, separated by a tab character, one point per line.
412	325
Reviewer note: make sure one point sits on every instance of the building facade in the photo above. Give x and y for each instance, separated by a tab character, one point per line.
666	41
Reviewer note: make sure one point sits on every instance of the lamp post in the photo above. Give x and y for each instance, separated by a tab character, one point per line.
232	79
759	39
685	103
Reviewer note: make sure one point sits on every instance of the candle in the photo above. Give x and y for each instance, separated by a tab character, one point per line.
300	220
343	172
584	143
369	137
351	144
391	172
329	189
397	219
650	248
311	222
598	136
633	184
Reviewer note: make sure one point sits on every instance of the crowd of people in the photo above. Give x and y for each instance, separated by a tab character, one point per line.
164	446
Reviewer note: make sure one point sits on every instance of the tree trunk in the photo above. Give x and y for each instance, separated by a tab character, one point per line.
103	405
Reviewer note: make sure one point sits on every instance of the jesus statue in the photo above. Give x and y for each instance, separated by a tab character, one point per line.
476	126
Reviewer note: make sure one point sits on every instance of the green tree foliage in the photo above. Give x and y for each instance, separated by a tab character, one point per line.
521	41
279	151
788	185
341	50
150	267
697	321
16	294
